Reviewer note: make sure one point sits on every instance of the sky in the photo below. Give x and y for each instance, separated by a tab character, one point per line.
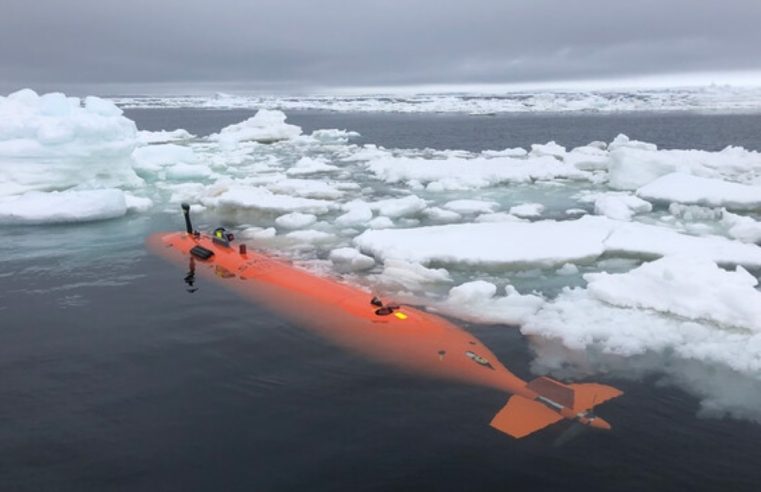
307	45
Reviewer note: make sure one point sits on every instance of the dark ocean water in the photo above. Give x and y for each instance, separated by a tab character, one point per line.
113	377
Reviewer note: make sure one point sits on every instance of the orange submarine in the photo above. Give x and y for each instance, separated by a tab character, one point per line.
398	335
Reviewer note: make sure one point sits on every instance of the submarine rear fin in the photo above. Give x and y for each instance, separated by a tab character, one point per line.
521	417
589	395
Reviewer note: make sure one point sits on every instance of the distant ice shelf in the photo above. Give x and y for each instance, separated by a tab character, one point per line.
708	98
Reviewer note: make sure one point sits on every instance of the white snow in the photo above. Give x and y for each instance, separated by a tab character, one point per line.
685	188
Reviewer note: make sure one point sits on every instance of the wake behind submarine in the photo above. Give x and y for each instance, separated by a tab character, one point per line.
398	335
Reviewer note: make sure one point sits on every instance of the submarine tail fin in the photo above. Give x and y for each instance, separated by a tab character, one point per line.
589	395
521	417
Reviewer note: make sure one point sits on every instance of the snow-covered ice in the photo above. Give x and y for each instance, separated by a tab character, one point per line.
66	206
265	126
621	206
689	189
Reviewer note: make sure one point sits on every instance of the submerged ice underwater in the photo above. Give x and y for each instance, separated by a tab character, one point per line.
619	260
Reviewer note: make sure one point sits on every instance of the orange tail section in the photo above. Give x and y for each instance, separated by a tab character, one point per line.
521	417
554	401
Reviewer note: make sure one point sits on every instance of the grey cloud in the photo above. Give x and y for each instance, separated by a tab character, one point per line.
303	43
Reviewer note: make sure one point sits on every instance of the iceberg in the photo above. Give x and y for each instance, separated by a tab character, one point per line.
266	126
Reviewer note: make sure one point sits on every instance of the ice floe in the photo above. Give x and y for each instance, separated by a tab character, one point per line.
479	302
689	189
621	206
549	242
714	98
679	305
65	206
163	136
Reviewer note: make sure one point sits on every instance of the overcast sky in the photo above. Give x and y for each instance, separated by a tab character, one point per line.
306	44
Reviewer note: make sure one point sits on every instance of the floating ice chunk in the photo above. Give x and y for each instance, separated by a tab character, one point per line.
399	207
581	321
307	165
333	136
64	206
153	157
575	211
549	149
478	302
163	136
410	275
684	188
514	152
621	206
442	216
691	287
54	125
381	223
310	236
357	213
182	171
259	233
744	229
295	220
266	126
459	173
137	203
645	240
527	210
309	188
630	169
498	217
242	197
546	243
567	269
471	206
622	141
694	212
347	260
588	158
490	244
